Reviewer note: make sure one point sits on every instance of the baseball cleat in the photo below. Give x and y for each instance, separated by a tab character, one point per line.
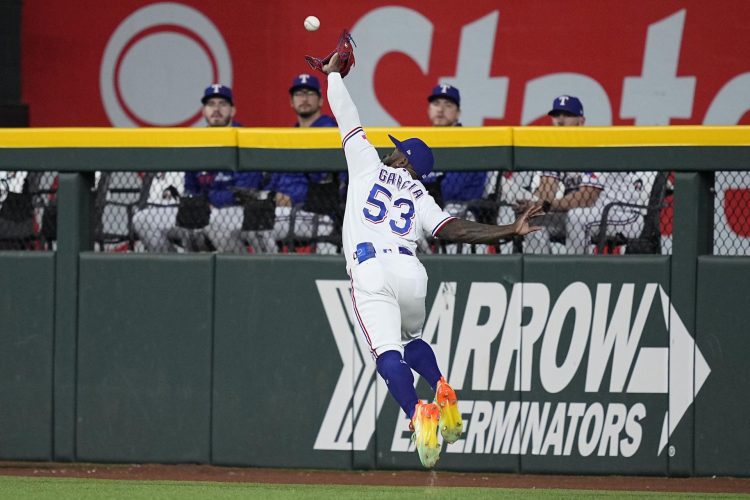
451	424
425	424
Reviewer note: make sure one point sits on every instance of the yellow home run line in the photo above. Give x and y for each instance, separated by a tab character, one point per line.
117	137
269	138
329	138
575	137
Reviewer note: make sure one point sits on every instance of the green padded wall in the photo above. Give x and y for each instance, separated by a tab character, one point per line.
276	362
144	358
27	283
722	414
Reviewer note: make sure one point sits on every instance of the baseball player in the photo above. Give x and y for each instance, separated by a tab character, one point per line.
152	224
456	188
576	200
387	210
444	110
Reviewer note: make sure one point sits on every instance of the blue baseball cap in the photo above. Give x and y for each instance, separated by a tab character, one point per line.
305	81
418	153
217	90
567	103
446	92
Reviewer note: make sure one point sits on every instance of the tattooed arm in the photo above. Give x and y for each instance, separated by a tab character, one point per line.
464	231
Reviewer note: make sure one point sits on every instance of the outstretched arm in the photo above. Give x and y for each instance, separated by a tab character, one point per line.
361	156
339	99
464	231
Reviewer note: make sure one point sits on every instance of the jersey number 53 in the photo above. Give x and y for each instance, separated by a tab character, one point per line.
380	203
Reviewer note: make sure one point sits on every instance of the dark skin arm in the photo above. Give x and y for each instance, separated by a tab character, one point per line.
465	231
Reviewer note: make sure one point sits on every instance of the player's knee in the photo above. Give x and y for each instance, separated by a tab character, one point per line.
416	345
390	364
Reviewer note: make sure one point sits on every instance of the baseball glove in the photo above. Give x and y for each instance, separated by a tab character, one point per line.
345	50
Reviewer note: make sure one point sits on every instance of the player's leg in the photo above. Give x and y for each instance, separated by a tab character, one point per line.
224	227
261	241
578	228
421	358
281	225
152	225
412	290
424	416
378	318
417	353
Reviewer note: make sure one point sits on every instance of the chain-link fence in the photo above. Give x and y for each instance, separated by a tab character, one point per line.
28	210
229	212
732	213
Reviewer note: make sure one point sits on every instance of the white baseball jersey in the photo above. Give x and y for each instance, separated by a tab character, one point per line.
384	205
580	224
628	187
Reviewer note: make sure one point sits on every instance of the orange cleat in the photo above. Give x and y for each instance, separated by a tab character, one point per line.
451	423
425	423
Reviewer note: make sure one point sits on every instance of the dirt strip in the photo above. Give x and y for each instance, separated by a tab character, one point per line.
189	472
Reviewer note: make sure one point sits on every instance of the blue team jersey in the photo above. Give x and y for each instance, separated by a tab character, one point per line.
295	185
463	186
459	186
217	185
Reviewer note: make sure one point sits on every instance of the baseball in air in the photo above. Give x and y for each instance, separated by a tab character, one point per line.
312	23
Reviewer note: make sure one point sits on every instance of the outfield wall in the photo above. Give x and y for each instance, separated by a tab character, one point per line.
600	364
575	365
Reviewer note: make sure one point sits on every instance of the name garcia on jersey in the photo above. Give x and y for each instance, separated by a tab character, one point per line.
388	176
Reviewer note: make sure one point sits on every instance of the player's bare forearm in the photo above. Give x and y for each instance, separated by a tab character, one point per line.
466	231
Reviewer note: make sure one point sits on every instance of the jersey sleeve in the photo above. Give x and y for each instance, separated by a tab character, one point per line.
432	217
361	156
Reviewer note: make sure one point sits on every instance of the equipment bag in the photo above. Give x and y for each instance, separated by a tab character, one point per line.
259	215
193	212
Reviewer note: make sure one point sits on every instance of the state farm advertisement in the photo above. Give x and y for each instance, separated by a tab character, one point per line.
136	63
145	63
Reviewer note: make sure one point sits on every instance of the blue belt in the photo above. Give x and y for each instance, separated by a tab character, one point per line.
366	251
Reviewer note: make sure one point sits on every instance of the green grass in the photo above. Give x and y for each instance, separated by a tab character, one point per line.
17	488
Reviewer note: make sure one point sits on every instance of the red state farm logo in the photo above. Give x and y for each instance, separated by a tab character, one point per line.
143	78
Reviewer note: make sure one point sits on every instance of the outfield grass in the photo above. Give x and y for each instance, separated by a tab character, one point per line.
18	488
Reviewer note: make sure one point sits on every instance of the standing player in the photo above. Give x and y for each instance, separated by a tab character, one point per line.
387	210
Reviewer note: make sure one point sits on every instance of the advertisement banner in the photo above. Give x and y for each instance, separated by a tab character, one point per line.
140	63
557	370
145	63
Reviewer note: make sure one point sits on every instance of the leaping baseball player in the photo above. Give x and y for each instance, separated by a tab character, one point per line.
387	210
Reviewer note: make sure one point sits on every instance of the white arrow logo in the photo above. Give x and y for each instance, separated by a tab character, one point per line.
687	364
